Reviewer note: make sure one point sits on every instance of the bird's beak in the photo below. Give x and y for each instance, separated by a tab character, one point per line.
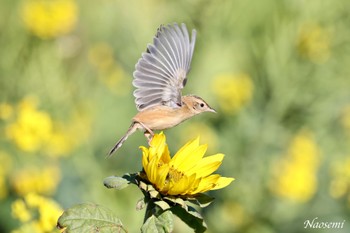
212	110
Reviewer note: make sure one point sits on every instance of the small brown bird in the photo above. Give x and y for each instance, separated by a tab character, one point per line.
159	77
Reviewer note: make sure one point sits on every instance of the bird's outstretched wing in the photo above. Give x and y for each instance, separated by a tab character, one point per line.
161	71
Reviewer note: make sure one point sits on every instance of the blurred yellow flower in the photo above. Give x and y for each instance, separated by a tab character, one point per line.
49	18
340	174
20	211
314	43
233	92
6	111
37	213
295	175
39	180
32	128
187	173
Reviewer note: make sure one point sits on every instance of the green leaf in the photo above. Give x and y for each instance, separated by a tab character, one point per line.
191	217
116	182
154	194
119	183
149	190
161	224
201	199
89	218
162	204
176	200
132	178
143	186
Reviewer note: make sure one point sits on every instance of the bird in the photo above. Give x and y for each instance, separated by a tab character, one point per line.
159	77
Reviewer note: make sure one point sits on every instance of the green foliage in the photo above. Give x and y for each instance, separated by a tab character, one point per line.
158	215
89	218
119	183
163	223
201	199
191	217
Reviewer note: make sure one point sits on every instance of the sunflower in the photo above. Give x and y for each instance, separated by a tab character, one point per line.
185	174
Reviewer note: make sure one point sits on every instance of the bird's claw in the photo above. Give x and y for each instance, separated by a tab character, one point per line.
149	136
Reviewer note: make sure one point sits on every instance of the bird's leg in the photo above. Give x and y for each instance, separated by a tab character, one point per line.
148	133
149	137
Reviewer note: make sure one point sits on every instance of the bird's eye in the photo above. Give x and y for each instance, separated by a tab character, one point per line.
202	105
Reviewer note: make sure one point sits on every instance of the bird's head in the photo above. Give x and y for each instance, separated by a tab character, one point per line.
196	104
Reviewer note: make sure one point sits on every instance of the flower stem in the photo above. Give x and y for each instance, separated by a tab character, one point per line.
151	209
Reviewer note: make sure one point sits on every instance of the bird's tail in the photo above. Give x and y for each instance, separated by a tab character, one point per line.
133	127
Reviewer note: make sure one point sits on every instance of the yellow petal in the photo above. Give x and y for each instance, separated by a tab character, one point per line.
165	158
207	183
206	170
222	182
194	186
157	145
158	139
161	176
207	165
189	155
148	171
184	151
152	170
144	156
192	158
182	186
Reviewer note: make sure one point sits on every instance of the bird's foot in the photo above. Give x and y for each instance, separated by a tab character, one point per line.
149	136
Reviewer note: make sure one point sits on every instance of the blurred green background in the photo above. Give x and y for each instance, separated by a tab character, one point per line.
277	72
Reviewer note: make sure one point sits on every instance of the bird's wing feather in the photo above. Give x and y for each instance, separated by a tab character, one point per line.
161	71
